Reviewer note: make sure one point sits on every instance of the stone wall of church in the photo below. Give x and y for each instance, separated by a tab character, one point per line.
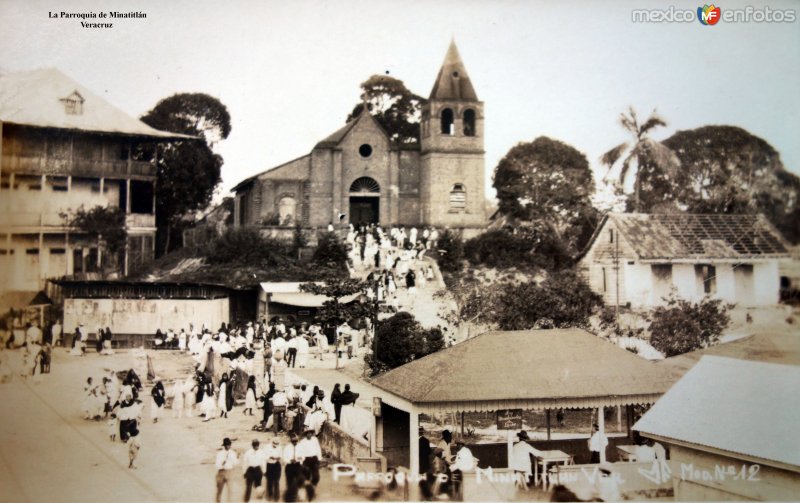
440	172
321	201
409	208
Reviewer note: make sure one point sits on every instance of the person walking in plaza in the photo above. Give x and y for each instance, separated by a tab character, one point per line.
222	396
225	463
177	399
291	460
273	454
311	453
336	400
279	404
253	462
159	399
134	445
250	395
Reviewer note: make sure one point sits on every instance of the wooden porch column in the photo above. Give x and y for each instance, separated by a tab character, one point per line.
548	424
413	440
601	423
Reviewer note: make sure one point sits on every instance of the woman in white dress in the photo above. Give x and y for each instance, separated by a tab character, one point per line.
158	401
222	395
182	340
250	397
177	399
209	404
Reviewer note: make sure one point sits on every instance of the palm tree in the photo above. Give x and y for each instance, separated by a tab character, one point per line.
641	152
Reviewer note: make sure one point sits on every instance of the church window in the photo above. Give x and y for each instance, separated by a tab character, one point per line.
365	150
448	123
458	198
469	122
287	207
365	185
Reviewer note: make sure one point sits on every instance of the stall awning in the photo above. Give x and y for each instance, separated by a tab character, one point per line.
305	299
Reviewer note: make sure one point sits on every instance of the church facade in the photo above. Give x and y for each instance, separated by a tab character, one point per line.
357	175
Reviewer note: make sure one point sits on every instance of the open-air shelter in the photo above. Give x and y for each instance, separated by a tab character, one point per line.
497	371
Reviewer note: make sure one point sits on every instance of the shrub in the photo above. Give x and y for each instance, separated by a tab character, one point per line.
499	248
247	247
681	326
450	251
562	300
330	252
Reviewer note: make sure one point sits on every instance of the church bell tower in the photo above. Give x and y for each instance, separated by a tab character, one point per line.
452	163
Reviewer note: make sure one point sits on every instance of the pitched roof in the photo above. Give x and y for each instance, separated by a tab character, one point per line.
333	139
774	347
530	365
453	82
737	406
250	179
699	236
35	98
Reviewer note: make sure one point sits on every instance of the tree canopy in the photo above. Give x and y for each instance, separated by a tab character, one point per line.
548	184
401	339
726	169
187	171
395	108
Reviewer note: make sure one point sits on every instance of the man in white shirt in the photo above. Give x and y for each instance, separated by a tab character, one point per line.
291	351
291	460
273	454
464	462
225	463
521	458
311	452
597	443
34	334
278	344
55	332
254	462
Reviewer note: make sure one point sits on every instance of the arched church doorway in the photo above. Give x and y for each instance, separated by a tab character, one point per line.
365	198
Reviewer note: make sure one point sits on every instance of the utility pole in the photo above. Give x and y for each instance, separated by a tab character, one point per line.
616	275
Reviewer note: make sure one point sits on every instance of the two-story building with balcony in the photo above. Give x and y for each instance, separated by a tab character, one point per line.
63	148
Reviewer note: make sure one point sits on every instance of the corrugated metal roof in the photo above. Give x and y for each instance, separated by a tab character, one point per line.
763	347
522	365
738	406
34	98
699	236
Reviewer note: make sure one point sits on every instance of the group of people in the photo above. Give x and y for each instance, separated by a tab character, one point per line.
298	461
444	466
29	355
117	402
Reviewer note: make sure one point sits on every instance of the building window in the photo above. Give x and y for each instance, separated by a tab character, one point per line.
286	210
605	285
57	251
142	197
365	150
458	198
73	104
708	275
32	251
448	122
611	236
58	183
469	122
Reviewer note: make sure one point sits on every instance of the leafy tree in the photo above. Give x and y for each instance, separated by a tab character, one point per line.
548	185
188	171
330	252
400	340
396	108
562	300
726	169
632	160
106	225
682	326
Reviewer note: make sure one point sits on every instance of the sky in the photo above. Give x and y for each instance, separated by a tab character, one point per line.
289	71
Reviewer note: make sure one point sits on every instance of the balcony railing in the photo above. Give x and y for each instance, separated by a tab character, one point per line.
138	220
38	165
34	219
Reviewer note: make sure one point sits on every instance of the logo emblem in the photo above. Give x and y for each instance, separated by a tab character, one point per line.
709	15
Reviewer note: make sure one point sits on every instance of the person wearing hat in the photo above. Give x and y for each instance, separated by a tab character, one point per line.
522	459
597	443
253	461
272	455
311	453
291	460
444	445
226	461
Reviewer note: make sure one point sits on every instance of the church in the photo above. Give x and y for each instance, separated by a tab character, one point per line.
357	175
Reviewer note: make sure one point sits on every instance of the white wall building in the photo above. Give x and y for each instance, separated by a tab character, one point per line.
639	259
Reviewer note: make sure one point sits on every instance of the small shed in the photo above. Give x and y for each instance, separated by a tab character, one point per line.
287	301
528	369
732	431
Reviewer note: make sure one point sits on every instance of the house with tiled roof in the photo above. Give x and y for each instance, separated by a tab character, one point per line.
639	259
64	147
360	175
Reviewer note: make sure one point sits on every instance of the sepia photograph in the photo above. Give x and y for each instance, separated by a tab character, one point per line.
399	250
